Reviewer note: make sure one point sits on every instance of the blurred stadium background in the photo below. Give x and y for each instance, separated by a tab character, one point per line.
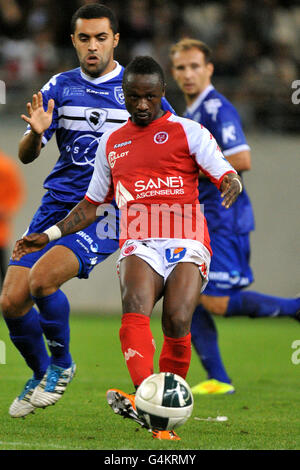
257	60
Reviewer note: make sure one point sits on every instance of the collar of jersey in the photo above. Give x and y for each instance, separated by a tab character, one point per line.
104	78
191	109
154	123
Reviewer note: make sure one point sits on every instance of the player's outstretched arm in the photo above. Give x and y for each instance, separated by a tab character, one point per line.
39	121
231	187
80	217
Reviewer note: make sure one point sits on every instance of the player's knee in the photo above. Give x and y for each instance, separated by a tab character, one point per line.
11	307
134	302
39	284
176	324
215	305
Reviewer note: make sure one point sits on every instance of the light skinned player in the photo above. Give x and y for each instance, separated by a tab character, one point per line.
230	270
35	281
76	106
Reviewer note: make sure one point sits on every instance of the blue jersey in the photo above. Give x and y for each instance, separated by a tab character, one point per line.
219	116
84	109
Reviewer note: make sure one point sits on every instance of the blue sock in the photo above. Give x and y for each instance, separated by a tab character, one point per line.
54	319
254	304
27	335
205	341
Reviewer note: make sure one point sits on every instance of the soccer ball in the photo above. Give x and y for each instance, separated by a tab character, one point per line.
164	401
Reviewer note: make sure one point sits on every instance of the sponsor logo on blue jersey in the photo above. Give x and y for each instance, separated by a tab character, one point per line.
83	150
73	91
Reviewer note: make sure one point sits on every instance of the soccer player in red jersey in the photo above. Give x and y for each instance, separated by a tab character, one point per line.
151	166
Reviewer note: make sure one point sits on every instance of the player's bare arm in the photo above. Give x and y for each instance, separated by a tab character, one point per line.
39	120
230	188
241	161
80	217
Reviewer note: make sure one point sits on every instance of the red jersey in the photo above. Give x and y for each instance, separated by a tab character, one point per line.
152	172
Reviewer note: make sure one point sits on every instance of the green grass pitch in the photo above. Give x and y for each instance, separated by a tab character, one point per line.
264	413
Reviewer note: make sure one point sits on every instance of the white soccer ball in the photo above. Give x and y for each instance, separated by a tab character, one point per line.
164	401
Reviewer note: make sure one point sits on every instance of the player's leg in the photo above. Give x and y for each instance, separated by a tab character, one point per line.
181	293
25	331
257	305
141	287
226	270
74	255
205	341
16	300
53	269
240	302
180	299
22	320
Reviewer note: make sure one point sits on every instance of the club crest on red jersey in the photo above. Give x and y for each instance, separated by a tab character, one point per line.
128	250
161	137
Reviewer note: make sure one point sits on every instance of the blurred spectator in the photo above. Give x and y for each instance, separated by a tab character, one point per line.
255	43
12	18
11	199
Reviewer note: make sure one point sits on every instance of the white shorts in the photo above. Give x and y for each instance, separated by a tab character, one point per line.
163	254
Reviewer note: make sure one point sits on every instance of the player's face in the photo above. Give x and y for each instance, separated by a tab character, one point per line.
94	42
191	72
143	94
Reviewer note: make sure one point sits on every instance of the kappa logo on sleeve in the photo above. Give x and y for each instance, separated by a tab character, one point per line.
229	133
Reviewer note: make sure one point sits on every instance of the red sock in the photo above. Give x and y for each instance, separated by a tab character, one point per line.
137	345
176	355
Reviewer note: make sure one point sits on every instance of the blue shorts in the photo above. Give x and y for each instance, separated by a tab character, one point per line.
229	267
89	249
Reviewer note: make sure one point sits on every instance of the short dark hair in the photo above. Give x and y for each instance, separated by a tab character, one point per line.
144	65
95	10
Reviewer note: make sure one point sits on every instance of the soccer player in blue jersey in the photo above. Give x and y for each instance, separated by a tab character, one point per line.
229	229
77	106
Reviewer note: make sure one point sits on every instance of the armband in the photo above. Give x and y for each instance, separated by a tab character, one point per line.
241	187
54	233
